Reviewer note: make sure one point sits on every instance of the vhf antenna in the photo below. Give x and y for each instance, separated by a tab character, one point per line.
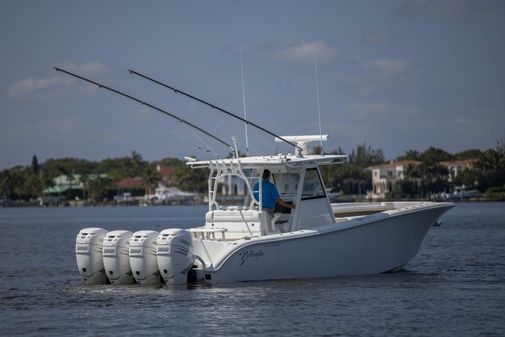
318	108
243	100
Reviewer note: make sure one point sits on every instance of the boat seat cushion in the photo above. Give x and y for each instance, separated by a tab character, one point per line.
238	223
238	216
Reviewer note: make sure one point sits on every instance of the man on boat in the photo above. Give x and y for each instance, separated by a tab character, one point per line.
270	197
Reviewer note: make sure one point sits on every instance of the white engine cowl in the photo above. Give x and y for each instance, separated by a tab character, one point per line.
116	259
88	253
143	257
175	255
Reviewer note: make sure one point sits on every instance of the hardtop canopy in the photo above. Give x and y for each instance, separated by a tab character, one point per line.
279	161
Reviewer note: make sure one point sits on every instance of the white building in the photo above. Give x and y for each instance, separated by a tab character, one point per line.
385	176
455	167
233	185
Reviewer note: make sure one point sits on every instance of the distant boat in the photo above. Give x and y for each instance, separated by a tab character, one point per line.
462	192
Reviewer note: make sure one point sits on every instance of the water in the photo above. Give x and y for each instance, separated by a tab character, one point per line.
454	287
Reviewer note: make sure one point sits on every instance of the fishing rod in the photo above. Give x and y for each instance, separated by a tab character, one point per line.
177	91
146	104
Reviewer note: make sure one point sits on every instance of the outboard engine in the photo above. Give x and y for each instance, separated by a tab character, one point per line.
143	257
116	260
88	253
175	255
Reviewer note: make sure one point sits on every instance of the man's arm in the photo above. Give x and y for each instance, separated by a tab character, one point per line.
285	204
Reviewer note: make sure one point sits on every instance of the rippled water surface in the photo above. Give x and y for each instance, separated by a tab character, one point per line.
454	287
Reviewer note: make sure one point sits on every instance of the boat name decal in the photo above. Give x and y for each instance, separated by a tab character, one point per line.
251	254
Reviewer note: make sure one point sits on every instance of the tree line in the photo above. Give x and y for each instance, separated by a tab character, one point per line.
424	178
98	178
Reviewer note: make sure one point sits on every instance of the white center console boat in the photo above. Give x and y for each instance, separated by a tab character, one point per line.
316	239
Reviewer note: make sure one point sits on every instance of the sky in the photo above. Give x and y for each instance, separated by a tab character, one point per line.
395	74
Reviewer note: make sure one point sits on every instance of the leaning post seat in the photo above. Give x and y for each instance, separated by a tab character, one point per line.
231	224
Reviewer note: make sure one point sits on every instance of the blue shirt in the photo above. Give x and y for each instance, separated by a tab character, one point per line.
269	193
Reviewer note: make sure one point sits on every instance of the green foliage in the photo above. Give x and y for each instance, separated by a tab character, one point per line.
430	177
55	167
491	167
123	167
435	155
20	183
406	188
354	177
422	180
151	178
348	178
35	164
99	188
468	154
173	162
192	180
188	179
496	193
28	182
364	156
468	177
410	155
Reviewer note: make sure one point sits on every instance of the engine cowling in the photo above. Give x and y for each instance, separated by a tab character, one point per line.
175	255
143	257
88	254
116	259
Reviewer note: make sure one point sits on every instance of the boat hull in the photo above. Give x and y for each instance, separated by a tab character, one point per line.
373	244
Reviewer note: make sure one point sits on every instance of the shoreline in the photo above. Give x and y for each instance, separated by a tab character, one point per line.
36	204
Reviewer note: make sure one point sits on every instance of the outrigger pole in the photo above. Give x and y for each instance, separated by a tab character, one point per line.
177	91
146	104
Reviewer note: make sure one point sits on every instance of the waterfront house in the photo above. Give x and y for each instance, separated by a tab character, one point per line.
385	176
455	167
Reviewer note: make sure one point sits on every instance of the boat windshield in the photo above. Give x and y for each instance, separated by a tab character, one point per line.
312	186
287	184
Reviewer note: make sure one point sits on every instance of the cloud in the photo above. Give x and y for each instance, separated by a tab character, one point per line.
372	112
306	51
464	120
91	68
51	85
397	69
379	37
31	86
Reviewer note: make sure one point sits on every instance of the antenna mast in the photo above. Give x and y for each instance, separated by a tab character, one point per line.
318	108
243	100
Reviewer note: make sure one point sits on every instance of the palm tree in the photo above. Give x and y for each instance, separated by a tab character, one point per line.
99	187
85	178
151	178
410	155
